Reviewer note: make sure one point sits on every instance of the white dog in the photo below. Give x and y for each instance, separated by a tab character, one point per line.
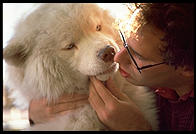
55	49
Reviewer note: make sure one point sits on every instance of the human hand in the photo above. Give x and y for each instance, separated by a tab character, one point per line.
114	108
40	111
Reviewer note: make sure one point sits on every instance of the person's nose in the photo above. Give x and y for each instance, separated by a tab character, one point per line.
122	57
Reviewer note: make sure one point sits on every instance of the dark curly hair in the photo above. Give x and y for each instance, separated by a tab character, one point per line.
176	20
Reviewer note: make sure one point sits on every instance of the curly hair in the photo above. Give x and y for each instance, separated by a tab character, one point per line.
176	20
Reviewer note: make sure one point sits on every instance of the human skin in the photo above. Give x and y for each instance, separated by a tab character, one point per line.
112	105
40	111
123	114
120	113
113	108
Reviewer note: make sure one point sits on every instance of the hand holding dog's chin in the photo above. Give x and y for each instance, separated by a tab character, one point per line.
114	109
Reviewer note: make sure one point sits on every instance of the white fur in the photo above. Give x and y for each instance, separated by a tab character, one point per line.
39	65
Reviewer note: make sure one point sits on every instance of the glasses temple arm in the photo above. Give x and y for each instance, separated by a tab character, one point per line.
151	65
126	46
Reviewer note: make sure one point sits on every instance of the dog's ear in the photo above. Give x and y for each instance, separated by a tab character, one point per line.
15	54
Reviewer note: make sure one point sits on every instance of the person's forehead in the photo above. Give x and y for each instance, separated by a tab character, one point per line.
147	41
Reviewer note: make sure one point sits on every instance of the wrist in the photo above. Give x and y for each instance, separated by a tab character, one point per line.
139	119
145	125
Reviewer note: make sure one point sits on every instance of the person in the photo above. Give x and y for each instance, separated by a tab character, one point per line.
160	55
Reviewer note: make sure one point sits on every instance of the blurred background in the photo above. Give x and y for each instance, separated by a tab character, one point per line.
15	119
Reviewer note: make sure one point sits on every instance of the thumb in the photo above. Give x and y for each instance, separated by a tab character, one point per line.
115	90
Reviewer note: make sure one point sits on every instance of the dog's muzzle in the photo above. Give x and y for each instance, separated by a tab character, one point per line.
106	54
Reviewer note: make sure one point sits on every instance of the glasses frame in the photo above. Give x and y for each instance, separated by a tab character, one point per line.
128	50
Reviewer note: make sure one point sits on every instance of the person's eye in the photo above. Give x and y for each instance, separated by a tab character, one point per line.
139	57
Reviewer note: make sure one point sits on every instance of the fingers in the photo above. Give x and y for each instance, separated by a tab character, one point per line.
103	92
40	110
115	91
67	102
64	112
71	97
94	99
62	107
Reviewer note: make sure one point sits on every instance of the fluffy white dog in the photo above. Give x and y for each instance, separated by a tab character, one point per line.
55	49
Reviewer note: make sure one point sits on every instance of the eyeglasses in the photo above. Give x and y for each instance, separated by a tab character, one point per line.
127	48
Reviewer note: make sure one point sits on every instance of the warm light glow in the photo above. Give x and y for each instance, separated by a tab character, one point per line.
15	118
119	11
15	113
125	15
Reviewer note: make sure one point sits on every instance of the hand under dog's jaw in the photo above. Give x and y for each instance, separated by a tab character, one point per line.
103	76
111	69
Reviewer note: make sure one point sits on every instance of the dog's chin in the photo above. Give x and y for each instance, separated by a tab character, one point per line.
105	75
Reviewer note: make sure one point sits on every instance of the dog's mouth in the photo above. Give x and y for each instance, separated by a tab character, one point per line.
111	69
105	75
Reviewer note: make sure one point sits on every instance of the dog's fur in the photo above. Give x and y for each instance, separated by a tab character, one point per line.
41	62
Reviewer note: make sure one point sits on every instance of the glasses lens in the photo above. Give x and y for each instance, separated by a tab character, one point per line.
127	48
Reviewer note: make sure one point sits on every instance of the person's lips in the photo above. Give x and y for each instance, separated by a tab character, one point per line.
123	73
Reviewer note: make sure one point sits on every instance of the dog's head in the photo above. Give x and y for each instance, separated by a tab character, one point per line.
62	43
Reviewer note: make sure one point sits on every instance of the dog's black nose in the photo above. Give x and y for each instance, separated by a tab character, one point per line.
106	54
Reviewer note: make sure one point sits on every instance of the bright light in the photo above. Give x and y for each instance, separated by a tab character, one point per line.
12	12
118	10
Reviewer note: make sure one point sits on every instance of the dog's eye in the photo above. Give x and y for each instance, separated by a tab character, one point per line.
70	46
98	28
